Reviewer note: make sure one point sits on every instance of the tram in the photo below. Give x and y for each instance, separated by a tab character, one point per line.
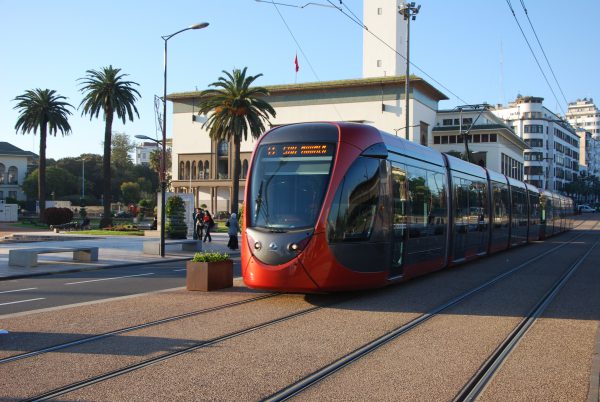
344	206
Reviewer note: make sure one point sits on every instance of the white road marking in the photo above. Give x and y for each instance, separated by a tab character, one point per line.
17	290
177	270
108	279
22	301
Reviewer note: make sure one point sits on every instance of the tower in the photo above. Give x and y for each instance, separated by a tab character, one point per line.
382	18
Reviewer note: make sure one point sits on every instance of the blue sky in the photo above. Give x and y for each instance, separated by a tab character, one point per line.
52	44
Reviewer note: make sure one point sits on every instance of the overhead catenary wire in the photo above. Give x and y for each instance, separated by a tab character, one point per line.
302	51
534	55
363	26
543	52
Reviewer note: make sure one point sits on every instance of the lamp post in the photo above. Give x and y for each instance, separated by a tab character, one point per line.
163	159
409	11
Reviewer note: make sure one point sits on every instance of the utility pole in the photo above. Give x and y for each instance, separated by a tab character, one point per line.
409	11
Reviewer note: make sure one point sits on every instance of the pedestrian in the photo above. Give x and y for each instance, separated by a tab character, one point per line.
199	224
209	223
194	219
232	231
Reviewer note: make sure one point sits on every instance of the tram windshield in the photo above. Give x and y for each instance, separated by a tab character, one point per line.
288	184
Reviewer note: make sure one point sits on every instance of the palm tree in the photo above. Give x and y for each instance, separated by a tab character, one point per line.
106	91
235	109
45	110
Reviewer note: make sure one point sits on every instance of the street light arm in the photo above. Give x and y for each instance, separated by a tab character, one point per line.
195	26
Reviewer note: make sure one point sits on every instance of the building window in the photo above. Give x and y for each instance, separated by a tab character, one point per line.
467	121
493	137
485	138
477	138
436	140
244	169
2	171
379	11
206	170
452	139
181	170
223	148
444	139
187	170
534	128
379	63
194	170
447	122
12	194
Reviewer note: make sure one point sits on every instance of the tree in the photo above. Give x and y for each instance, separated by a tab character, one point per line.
234	109
45	110
121	151
106	91
58	180
131	192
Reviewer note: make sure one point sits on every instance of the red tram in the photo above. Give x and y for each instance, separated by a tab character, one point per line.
341	206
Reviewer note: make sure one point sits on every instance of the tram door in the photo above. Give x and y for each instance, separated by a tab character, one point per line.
399	219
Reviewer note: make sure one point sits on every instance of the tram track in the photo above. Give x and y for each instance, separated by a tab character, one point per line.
487	371
120	331
312	379
216	340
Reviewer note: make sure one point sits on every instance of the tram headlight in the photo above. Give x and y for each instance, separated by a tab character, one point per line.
293	247
257	245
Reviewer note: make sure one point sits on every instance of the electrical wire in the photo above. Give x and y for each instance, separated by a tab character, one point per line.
534	55
543	52
359	23
302	51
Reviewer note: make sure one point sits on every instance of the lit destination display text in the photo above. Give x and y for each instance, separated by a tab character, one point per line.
299	149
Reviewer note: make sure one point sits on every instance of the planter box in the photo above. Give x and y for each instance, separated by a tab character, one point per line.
206	276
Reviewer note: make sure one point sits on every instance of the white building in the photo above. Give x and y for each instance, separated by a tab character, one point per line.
382	19
14	163
203	166
585	117
553	158
143	151
492	143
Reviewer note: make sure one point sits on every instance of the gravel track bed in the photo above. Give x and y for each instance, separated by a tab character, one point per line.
553	361
258	364
434	361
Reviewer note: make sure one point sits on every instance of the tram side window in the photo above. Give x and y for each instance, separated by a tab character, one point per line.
357	197
427	197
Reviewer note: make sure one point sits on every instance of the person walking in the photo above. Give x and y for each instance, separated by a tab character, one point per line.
199	224
209	223
233	229
195	222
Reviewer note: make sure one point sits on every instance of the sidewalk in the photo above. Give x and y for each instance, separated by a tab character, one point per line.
113	251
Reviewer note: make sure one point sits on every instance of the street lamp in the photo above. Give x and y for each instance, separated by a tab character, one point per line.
163	159
409	11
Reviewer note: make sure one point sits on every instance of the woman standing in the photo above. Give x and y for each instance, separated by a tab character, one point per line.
208	225
232	231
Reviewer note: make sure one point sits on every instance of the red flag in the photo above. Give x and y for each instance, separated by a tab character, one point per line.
296	63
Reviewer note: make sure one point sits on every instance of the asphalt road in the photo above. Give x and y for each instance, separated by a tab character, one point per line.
54	290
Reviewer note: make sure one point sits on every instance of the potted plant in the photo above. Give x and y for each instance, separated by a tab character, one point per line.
209	271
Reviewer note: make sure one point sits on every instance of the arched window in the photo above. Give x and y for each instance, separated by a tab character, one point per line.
13	176
223	148
181	170
206	170
2	171
187	170
245	169
193	170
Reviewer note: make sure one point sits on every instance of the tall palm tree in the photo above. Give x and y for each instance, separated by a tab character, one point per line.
234	109
106	91
45	110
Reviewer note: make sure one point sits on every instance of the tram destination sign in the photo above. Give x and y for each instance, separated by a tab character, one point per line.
299	149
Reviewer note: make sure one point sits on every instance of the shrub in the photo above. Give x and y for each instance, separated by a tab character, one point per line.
57	216
211	256
175	218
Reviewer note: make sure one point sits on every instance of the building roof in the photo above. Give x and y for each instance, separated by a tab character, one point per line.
9	149
323	86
